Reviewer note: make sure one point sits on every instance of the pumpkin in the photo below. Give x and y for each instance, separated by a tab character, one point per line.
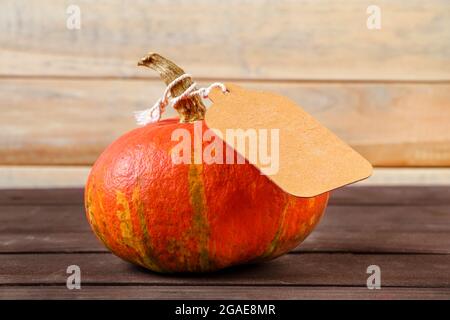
189	217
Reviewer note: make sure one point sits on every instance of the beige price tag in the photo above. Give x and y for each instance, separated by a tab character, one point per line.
312	160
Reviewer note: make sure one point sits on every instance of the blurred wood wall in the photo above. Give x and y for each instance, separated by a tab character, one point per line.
66	94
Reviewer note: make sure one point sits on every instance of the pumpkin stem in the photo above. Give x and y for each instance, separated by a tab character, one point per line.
190	109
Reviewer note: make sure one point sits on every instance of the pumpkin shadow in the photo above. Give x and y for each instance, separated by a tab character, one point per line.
250	270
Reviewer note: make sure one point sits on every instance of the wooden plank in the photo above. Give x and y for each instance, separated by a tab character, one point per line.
375	229
282	39
407	177
46	229
24	219
222	292
72	121
69	177
58	196
425	271
400	229
80	118
412	195
32	177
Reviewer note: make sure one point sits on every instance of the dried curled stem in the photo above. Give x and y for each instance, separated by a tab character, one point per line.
190	109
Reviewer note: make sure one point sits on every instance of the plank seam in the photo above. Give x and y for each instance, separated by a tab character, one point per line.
4	253
336	204
143	284
226	79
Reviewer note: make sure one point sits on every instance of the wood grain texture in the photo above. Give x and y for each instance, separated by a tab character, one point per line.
399	229
30	177
66	94
220	292
234	39
42	232
350	224
72	121
313	269
347	196
64	177
406	177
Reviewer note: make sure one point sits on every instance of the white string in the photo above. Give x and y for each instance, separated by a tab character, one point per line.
154	113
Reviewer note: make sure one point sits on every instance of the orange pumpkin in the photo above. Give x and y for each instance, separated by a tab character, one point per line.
189	217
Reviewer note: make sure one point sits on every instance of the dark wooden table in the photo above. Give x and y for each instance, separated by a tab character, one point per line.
403	230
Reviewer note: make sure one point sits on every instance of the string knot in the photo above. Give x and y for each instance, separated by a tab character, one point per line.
154	113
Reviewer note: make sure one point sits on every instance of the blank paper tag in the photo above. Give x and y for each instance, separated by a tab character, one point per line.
311	159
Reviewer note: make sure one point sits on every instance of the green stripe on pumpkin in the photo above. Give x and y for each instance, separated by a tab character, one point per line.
200	228
146	247
129	238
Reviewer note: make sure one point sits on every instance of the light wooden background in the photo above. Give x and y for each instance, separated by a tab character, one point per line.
66	94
